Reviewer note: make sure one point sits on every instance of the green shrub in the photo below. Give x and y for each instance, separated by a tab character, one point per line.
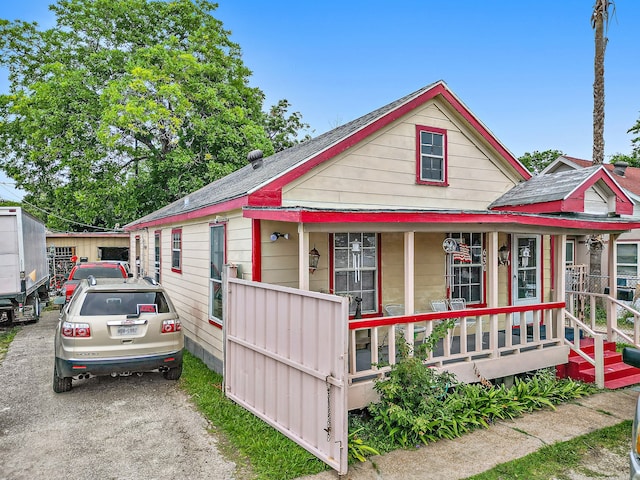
419	404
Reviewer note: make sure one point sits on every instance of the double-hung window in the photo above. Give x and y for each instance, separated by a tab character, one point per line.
431	155
356	269
157	258
570	253
176	250
217	257
627	259
466	279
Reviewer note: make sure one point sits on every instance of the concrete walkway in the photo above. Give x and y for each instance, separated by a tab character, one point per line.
482	450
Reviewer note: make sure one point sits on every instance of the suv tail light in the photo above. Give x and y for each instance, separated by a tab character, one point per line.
76	329
68	291
170	326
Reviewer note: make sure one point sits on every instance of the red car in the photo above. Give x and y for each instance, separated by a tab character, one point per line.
97	269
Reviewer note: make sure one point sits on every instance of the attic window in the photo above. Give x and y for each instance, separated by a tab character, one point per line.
431	156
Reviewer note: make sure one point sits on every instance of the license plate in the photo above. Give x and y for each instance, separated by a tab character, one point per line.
128	330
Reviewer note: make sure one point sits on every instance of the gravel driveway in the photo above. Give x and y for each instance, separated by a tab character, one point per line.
104	428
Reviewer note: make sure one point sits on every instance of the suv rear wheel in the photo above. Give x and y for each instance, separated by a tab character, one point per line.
60	384
173	373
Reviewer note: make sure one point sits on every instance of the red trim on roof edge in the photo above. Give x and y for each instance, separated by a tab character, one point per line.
624	206
493	218
88	234
201	212
274	189
573	205
575	202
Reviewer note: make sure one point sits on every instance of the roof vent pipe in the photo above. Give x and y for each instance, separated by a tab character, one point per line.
619	168
255	157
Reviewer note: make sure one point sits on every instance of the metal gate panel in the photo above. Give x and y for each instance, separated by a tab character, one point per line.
286	361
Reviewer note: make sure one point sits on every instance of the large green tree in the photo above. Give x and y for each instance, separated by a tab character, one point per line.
126	105
635	141
599	23
538	160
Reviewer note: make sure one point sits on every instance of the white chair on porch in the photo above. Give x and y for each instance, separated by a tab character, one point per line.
397	309
439	305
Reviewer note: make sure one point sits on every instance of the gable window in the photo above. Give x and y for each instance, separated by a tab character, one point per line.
465	268
356	269
431	155
176	250
217	258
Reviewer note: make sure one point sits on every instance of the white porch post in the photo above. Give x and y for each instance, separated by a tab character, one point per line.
559	282
409	283
492	269
492	291
612	314
303	258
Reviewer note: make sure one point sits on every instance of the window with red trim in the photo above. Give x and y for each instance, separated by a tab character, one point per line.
157	257
217	256
356	269
431	155
466	265
176	250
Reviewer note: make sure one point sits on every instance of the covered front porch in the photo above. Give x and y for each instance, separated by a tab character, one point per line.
506	300
499	275
485	343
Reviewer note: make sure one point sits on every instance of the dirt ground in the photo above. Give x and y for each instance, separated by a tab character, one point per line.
104	428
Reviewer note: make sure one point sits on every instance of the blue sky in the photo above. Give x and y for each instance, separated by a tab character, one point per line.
524	68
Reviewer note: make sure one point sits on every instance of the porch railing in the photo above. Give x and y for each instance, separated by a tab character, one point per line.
478	333
586	305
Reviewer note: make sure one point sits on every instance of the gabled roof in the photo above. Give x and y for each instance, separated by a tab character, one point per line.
263	186
561	192
629	181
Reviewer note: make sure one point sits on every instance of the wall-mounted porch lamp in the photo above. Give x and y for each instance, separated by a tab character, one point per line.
276	235
503	255
314	257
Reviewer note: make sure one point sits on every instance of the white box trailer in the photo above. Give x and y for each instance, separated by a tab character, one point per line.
24	266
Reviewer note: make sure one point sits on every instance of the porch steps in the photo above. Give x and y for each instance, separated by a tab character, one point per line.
617	374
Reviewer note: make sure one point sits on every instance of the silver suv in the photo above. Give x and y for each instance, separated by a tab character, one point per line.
117	327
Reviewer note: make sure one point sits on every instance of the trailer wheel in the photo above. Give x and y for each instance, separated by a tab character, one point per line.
6	318
35	302
60	384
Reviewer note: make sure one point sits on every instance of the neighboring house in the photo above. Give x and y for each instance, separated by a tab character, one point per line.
628	243
414	203
85	246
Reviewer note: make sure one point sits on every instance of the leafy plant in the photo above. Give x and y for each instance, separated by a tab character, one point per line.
358	450
419	404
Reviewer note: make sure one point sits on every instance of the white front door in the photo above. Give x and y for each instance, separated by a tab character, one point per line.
526	286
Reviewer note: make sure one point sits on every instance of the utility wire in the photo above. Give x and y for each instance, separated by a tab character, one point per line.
58	216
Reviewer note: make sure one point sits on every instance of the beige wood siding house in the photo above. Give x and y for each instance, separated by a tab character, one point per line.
414	202
86	246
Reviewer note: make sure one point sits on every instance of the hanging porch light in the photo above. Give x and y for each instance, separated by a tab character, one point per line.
503	255
314	258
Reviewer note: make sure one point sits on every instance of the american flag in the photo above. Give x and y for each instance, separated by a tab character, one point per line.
463	253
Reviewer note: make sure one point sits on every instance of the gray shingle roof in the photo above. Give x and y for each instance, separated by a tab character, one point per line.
245	180
545	188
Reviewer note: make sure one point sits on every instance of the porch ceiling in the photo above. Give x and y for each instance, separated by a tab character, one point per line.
327	220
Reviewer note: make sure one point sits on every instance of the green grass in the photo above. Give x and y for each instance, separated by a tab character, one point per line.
557	460
260	451
6	337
